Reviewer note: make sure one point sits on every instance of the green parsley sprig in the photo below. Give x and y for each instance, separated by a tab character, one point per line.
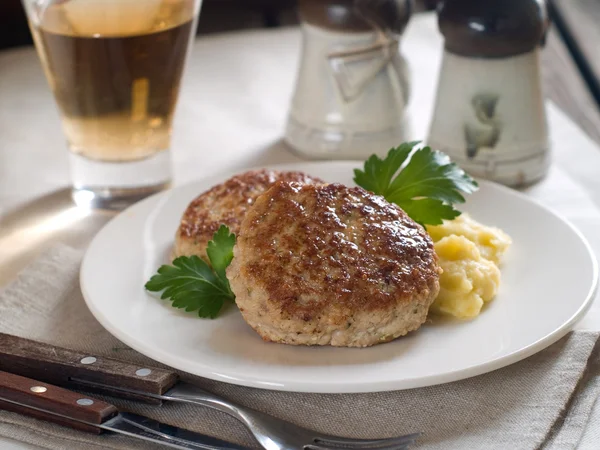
423	182
194	285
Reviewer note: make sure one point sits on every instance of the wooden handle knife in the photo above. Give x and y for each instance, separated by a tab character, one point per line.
46	402
70	368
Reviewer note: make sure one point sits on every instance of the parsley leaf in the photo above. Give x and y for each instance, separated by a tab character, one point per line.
192	284
423	182
220	252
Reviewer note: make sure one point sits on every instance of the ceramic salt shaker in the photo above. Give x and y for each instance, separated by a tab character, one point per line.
352	83
489	114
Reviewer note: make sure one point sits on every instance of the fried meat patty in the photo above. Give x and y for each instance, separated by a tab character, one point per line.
331	265
226	204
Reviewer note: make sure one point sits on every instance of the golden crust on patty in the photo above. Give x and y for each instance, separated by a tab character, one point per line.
226	204
329	264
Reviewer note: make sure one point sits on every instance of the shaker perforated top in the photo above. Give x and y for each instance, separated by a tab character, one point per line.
492	28
356	15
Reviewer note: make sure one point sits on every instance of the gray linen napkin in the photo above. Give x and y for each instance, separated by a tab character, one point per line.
544	401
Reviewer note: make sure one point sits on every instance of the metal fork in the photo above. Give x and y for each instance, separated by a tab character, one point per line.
272	433
78	371
277	434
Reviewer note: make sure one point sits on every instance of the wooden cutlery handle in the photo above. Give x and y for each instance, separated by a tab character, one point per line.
69	368
54	404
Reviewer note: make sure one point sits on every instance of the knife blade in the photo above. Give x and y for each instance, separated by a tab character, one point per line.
52	403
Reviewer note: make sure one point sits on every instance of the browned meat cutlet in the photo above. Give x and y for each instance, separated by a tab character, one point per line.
332	265
226	204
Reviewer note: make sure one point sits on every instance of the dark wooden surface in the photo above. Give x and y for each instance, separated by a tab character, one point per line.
579	25
62	367
565	86
55	400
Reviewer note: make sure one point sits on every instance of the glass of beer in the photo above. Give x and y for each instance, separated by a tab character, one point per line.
115	68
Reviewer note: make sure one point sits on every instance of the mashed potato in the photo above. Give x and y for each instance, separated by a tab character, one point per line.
469	254
492	241
468	280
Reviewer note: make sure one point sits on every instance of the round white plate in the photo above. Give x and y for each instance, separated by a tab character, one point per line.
548	280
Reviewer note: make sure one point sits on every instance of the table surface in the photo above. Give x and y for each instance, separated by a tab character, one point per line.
230	116
578	21
565	86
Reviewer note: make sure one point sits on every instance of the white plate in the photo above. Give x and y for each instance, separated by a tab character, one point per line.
548	280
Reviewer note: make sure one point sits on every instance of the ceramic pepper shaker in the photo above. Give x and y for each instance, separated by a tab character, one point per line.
352	82
489	114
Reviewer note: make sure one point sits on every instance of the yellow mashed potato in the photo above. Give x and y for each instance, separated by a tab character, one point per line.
469	254
492	241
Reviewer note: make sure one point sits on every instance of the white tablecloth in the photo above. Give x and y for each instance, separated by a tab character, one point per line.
231	115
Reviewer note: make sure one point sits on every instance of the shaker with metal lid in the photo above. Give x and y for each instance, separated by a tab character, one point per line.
489	114
352	83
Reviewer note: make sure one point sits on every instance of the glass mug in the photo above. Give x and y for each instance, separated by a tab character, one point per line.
114	67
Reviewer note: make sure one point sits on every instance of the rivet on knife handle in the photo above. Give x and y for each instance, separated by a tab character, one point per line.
60	366
51	403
